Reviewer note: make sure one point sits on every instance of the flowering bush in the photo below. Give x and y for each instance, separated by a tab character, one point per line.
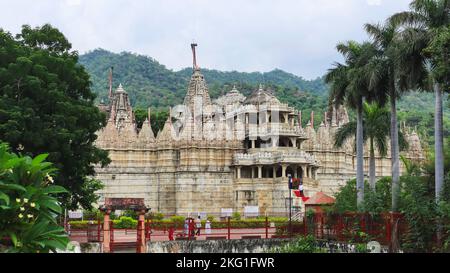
28	207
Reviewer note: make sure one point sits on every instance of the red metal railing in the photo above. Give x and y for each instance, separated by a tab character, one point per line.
355	227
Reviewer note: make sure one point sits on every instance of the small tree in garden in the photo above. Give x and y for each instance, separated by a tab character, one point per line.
28	204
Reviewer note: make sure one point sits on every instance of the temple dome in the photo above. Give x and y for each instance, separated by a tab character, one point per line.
232	97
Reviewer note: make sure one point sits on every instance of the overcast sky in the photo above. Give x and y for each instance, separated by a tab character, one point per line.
298	36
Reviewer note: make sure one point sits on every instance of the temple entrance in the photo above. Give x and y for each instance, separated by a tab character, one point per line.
119	239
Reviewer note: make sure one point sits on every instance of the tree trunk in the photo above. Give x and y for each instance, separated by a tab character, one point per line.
395	158
438	142
372	171
359	158
439	153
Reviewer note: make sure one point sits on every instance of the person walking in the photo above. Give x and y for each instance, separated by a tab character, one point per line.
208	227
186	227
198	225
171	232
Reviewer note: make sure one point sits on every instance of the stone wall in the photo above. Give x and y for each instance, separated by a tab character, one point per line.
215	246
243	246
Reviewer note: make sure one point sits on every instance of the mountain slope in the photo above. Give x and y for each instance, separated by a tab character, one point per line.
151	84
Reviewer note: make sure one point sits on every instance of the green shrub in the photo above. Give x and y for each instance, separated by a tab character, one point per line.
130	213
177	219
125	222
302	244
94	214
236	216
28	205
158	216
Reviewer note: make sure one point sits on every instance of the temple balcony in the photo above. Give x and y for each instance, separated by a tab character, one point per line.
263	158
272	128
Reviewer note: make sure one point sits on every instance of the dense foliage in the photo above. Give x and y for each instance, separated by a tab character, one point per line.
46	106
417	204
28	204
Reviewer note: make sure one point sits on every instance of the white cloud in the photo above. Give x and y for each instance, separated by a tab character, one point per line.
374	2
298	36
73	2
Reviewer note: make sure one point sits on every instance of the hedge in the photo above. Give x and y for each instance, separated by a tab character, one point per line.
178	222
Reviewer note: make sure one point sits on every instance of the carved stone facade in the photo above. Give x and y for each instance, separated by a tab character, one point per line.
232	152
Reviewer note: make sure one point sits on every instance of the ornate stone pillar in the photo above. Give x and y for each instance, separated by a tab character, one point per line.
238	172
259	171
274	169
274	141
283	170
253	144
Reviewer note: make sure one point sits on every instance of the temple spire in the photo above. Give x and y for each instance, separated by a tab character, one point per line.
110	82
300	118
194	57
149	119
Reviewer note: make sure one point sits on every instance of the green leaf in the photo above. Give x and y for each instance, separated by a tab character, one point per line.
13	238
5	197
38	159
13	187
52	204
55	189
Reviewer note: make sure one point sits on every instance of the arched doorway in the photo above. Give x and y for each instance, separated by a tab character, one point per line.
111	241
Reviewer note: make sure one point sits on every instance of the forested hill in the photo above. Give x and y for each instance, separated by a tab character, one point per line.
150	83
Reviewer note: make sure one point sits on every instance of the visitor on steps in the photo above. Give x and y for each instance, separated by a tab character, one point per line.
198	225
208	227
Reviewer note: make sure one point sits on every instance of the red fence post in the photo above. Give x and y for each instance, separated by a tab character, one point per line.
362	222
98	230
138	237
321	225
305	228
229	228
267	227
111	236
149	229
388	230
340	227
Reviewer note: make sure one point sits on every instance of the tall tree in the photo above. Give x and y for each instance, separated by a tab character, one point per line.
376	131
46	106
425	28
349	85
383	72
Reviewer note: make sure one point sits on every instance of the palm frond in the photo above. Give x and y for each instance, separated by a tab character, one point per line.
344	133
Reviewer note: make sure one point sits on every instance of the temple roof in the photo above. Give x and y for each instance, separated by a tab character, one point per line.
120	89
261	96
320	198
197	90
146	132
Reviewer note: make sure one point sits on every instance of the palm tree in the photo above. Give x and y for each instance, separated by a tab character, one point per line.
349	85
384	71
376	131
421	25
